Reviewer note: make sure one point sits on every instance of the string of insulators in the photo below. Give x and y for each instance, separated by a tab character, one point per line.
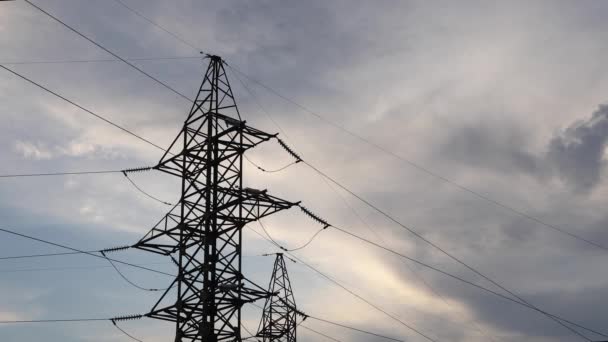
315	217
127	318
289	150
114	249
137	169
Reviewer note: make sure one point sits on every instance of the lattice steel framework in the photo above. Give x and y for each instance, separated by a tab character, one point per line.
279	317
202	233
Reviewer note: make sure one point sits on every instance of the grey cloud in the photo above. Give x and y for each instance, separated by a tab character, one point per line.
577	153
349	61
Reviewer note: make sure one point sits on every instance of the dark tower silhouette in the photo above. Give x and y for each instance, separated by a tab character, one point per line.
202	233
279	317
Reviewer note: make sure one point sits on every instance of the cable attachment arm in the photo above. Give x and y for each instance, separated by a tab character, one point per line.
289	150
314	217
126	318
138	169
114	249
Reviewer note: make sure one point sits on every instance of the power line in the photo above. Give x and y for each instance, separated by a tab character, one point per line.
70	61
81	107
342	325
131	64
432	244
522	303
395	318
108	51
264	111
139	14
420	167
127	279
55	320
356	329
253	95
57	173
435	292
144	192
304	245
445	273
41	255
83	252
367	141
343	287
124	332
90	267
269	171
319	333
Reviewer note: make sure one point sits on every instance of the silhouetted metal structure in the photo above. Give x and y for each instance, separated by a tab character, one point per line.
279	317
202	233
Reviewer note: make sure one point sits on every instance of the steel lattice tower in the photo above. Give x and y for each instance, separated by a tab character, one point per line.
278	322
202	233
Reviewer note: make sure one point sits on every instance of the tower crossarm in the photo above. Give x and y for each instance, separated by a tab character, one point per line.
235	139
164	237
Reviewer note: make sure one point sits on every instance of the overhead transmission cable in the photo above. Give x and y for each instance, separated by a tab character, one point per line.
70	61
477	326
434	245
81	107
356	295
125	278
102	256
319	333
263	110
162	83
19	175
55	320
41	255
325	176
109	51
356	329
445	273
422	168
124	332
141	138
113	320
144	192
280	246
83	252
155	24
371	143
63	268
522	303
367	332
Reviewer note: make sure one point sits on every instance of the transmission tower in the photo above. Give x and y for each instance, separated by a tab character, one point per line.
279	317
202	233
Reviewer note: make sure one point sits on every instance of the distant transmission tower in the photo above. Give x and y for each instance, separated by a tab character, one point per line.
202	233
278	322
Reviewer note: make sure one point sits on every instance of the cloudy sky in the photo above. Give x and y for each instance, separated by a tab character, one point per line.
504	99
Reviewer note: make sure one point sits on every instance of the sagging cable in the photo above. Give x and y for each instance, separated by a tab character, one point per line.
127	279
257	166
140	189
124	332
